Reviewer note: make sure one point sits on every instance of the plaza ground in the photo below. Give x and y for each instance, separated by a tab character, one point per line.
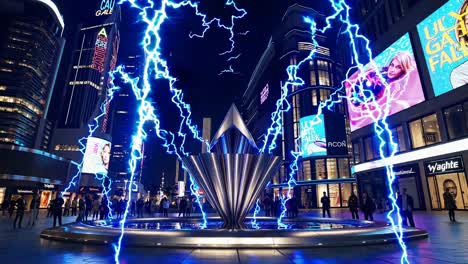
447	243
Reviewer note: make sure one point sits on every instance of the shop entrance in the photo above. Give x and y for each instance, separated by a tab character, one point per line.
457	185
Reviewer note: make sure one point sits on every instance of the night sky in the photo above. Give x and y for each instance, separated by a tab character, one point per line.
195	62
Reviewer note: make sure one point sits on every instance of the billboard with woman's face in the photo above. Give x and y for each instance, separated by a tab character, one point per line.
97	156
444	39
394	69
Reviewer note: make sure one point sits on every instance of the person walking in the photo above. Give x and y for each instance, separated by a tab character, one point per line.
368	207
325	200
5	205
66	211
165	205
188	210
74	205
20	206
406	204
81	209
276	207
353	205
57	209
34	208
140	204
182	207
11	208
450	204
50	208
95	208
133	208
88	207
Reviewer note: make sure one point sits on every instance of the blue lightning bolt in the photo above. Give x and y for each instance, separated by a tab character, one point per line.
157	65
256	212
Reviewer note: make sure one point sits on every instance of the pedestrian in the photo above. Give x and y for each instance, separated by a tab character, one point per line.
267	205
140	204
66	211
450	204
294	206
367	206
325	200
182	207
74	205
95	208
57	209
20	206
50	208
5	205
276	206
406	204
34	208
11	209
165	204
81	209
353	205
188	210
89	206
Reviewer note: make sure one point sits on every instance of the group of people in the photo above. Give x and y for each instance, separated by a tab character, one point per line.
272	207
185	207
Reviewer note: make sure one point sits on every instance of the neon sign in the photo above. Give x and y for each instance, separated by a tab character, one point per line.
105	8
100	48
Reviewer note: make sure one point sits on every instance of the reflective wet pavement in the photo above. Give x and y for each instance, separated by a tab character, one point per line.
447	243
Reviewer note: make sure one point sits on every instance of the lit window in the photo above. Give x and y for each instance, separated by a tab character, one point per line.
424	131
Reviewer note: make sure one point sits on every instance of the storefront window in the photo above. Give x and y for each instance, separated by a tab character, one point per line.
313	77
424	131
320	189
307	170
331	169
314	97
455	118
334	195
431	129
324	94
345	193
2	195
343	167
320	169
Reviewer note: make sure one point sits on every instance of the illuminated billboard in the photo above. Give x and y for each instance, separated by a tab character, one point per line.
97	156
323	135
398	68
444	39
313	137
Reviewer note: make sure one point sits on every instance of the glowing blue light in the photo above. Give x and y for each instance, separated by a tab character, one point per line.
155	64
256	212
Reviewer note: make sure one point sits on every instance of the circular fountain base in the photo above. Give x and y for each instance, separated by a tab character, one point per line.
304	232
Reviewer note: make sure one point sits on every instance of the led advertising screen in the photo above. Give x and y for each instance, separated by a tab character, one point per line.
313	137
97	156
444	39
398	68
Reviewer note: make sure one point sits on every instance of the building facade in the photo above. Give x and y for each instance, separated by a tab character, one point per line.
31	46
431	129
86	88
325	168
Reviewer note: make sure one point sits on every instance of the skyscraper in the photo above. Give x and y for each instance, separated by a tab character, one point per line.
95	54
125	115
31	47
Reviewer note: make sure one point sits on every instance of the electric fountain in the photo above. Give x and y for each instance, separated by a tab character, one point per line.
233	175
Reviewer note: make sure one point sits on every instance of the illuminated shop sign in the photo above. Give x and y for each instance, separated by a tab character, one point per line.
397	66
24	191
100	48
444	38
105	8
444	166
48	186
264	94
327	137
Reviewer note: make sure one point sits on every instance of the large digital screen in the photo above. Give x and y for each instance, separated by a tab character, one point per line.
97	156
398	69
313	137
444	38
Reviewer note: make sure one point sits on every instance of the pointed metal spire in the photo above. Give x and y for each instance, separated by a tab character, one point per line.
234	120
